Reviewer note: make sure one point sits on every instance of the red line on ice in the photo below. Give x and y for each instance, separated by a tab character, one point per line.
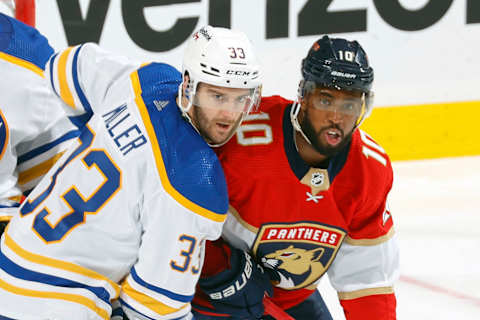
439	289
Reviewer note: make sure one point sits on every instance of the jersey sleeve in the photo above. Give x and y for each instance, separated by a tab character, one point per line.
367	264
84	76
34	130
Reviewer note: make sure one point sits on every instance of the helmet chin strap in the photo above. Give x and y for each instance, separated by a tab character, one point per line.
185	110
294	119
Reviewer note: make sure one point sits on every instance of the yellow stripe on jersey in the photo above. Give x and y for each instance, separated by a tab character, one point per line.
364	292
39	170
159	160
7	134
370	242
15	198
65	92
22	63
5	218
58	264
90	304
244	223
149	302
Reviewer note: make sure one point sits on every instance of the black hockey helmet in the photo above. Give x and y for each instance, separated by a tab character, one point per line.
338	63
335	63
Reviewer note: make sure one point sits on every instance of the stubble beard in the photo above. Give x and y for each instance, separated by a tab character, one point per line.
205	126
315	138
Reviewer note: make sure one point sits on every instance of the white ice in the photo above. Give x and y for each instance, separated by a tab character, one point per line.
436	209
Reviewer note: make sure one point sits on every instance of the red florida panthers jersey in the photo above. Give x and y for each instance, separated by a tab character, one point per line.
303	221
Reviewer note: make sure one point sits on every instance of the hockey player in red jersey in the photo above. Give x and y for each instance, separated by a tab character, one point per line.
308	195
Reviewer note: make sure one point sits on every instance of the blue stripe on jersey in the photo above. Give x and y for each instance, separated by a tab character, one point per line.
6	32
165	292
78	89
192	167
44	148
20	272
81	120
133	309
52	83
5	318
14	205
25	42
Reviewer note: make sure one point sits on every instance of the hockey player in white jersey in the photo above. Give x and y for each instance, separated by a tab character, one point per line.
125	213
34	130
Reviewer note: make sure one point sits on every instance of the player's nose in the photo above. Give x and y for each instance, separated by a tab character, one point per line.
334	116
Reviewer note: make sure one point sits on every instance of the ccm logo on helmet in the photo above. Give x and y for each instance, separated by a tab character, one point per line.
238	285
238	73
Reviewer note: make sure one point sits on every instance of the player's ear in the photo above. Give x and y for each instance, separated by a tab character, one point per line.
303	104
186	80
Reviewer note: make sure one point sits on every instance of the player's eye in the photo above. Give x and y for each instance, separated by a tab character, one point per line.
325	102
242	99
218	97
322	103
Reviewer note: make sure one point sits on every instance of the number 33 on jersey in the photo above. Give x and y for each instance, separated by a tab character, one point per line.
124	208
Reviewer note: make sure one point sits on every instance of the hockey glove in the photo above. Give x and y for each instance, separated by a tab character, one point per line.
238	291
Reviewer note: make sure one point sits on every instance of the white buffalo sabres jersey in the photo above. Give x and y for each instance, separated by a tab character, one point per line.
34	129
125	212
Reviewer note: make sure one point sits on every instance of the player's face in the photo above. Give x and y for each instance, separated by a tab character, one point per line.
217	111
328	118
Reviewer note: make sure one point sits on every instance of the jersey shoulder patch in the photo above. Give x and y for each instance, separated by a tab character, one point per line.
23	42
187	162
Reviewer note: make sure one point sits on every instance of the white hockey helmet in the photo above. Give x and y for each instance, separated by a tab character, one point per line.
221	57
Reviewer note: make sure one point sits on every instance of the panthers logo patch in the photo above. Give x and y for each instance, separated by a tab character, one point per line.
299	253
3	134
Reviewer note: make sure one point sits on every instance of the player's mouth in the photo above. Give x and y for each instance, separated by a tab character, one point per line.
223	126
333	137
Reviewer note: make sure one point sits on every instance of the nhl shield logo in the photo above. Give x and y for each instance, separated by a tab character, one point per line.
317	179
299	253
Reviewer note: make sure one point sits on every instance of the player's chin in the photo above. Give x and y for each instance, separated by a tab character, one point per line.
329	150
219	138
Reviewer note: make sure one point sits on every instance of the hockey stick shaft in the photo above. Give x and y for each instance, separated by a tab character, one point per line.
275	311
